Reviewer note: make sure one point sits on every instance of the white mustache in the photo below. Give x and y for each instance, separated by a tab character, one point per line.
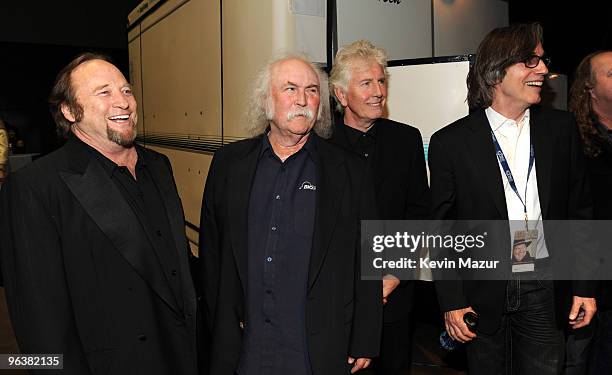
300	112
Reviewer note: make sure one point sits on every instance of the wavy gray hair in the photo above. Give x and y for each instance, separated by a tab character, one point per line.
261	107
361	50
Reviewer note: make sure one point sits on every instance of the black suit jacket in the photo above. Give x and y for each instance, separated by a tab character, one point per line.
343	313
402	192
600	172
466	184
81	275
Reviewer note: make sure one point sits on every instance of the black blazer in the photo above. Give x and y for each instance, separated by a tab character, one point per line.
81	275
600	173
466	184
402	192
343	313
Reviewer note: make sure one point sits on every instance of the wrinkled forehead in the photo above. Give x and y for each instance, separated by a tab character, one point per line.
293	71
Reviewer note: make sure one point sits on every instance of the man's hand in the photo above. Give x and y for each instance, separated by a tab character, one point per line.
456	327
358	364
390	282
583	309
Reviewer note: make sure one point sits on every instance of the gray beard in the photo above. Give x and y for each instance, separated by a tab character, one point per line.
118	138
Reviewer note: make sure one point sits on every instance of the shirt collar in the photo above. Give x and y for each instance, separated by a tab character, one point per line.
497	120
354	135
310	146
108	165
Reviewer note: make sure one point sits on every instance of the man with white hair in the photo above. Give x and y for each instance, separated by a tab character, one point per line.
394	153
279	239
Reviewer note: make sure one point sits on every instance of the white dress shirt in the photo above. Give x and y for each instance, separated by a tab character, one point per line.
515	140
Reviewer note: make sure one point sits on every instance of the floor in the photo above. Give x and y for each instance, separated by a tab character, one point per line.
428	358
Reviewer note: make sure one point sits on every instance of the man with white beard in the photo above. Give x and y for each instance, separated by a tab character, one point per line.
279	239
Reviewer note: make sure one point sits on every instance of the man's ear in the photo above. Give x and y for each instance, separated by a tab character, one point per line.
67	112
341	96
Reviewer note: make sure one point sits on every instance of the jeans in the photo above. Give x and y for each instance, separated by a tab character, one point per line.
527	340
601	362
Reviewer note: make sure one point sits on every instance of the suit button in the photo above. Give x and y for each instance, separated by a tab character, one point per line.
173	272
158	232
142	337
268	320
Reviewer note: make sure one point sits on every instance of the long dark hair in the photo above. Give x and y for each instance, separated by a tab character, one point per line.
501	48
580	104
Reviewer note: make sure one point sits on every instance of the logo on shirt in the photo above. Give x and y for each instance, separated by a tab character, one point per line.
306	185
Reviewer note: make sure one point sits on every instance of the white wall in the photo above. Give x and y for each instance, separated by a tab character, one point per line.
428	96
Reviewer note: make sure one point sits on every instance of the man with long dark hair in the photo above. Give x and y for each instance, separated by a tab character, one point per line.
513	161
591	102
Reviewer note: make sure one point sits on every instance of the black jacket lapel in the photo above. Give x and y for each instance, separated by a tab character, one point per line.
543	144
379	160
331	179
106	206
340	138
485	161
162	175
240	180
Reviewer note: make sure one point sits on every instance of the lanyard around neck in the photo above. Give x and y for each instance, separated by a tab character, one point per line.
504	164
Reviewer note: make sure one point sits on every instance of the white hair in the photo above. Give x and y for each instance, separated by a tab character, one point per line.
361	50
261	106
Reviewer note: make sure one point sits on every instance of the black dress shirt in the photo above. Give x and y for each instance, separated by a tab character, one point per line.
281	223
143	196
363	143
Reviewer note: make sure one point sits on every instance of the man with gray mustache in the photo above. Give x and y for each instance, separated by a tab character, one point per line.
279	239
300	112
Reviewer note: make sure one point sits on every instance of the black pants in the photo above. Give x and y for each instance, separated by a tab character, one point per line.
527	340
396	348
